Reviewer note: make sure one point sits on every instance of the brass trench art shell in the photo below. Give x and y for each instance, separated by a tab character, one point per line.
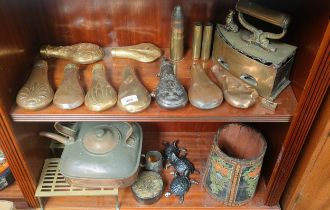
197	41
132	95
101	95
237	93
234	164
203	93
169	94
148	187
36	93
144	52
70	94
82	53
177	34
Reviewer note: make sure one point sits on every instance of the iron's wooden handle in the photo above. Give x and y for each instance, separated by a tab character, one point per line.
268	15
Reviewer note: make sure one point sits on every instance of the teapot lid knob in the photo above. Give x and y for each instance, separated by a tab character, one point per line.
99	133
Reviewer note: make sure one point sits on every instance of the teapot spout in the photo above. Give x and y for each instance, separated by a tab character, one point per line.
57	137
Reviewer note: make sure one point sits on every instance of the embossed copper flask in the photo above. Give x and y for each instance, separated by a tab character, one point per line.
36	93
144	52
83	53
169	94
236	92
101	95
203	93
70	94
132	95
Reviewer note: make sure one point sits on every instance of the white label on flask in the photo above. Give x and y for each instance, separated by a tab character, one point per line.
129	99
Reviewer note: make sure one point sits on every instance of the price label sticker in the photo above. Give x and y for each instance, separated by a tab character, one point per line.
129	99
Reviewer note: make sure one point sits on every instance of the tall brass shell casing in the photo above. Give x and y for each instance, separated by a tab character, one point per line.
101	95
177	34
203	93
70	94
197	41
36	93
132	95
206	43
236	92
144	52
83	53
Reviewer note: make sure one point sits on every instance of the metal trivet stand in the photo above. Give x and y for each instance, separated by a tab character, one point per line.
52	183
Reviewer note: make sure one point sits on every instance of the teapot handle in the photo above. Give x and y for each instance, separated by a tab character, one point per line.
66	131
129	132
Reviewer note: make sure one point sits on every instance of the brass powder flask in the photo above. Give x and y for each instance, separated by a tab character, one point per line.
70	94
132	95
82	53
144	52
169	94
237	93
203	93
101	95
36	93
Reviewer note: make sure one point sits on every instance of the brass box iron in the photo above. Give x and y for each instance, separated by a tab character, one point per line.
261	63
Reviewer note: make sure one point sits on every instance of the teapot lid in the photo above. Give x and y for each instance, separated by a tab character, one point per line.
101	139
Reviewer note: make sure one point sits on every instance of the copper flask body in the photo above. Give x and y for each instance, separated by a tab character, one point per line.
203	93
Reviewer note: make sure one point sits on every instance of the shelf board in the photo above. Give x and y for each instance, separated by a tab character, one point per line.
198	146
154	113
13	193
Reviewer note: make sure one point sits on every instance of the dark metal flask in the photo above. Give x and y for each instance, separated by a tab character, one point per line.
177	34
170	93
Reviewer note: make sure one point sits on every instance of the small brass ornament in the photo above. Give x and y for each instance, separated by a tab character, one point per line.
132	95
236	92
101	95
82	53
203	93
70	94
36	93
144	52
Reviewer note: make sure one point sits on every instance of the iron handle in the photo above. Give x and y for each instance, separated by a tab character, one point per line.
268	15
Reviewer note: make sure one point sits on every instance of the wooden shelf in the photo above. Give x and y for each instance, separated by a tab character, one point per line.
198	146
13	193
147	74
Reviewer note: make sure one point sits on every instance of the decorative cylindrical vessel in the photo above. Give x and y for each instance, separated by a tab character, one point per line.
177	34
234	164
197	41
206	43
